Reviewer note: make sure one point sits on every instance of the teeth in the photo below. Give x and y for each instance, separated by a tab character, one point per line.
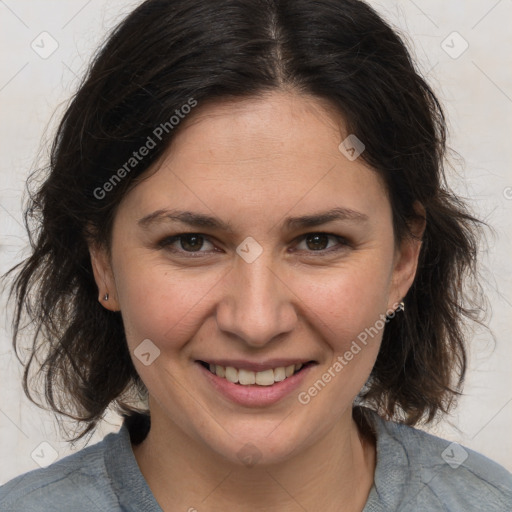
265	378
247	377
232	374
279	374
289	370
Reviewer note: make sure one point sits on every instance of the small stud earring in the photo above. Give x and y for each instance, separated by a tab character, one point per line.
401	306
105	298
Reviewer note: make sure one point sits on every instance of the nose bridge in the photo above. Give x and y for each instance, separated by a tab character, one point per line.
257	305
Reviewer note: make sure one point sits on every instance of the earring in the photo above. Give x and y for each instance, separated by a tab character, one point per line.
105	298
401	306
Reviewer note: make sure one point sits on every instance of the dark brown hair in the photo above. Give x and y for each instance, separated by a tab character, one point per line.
169	52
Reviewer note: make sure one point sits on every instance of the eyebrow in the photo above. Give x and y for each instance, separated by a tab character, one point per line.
201	220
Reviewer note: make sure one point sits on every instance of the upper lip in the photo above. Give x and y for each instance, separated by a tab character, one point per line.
244	364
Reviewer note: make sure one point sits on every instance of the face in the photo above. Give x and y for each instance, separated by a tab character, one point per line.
295	262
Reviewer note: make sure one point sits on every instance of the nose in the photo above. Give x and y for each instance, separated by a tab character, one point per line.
257	303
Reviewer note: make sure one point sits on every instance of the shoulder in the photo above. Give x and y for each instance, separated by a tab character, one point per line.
77	482
432	473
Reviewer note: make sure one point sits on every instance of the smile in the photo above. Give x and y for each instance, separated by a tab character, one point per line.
252	384
248	377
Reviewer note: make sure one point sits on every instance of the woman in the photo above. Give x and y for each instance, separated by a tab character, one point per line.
247	247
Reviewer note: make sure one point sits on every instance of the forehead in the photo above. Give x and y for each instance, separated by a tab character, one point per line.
277	152
270	128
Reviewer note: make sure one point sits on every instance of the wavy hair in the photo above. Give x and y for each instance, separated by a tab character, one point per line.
159	57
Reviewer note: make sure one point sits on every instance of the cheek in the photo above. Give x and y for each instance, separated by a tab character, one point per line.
347	309
344	302
162	304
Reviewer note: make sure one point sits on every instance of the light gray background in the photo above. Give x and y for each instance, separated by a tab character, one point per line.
475	88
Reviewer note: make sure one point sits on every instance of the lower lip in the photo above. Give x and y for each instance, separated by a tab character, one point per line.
254	395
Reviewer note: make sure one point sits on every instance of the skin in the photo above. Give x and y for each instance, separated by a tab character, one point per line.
251	163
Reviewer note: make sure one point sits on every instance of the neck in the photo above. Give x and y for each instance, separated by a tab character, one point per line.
335	473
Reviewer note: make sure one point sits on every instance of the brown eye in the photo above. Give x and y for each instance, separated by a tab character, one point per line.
319	242
186	243
191	242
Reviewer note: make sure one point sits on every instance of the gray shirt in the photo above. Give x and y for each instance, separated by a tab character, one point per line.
415	472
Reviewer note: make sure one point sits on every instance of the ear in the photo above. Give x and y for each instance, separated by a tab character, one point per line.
104	277
406	258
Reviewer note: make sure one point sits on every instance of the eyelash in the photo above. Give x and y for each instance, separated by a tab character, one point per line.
168	241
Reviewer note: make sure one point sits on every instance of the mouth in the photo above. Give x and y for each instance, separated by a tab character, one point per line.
262	377
251	384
